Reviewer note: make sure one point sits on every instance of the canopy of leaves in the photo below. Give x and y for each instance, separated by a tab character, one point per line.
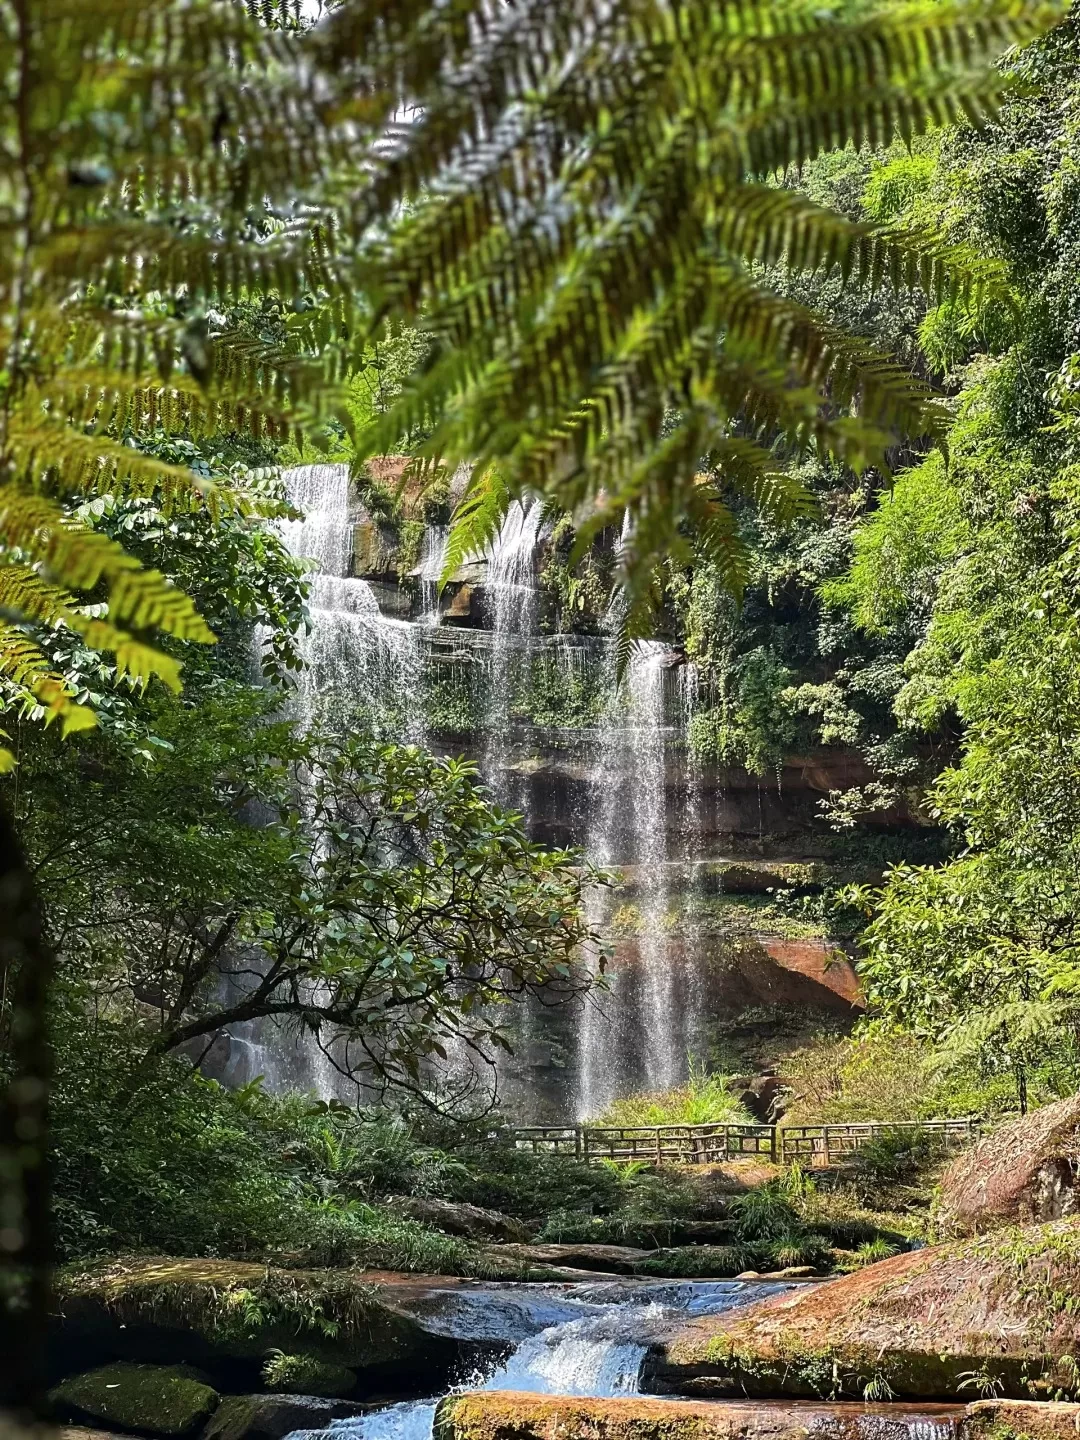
390	912
568	199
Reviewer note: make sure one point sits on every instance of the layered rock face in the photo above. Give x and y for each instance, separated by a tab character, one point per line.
1026	1170
502	668
998	1312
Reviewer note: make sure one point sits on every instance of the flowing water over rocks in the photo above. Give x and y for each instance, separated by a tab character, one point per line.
482	670
592	1346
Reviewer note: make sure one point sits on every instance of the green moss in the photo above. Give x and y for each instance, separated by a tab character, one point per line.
242	1309
160	1399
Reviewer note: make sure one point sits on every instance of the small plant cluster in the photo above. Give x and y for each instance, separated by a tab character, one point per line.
705	1099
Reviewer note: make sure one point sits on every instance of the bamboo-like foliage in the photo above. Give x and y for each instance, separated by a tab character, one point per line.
588	202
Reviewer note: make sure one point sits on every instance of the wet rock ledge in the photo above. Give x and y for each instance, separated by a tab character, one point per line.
998	1314
509	1415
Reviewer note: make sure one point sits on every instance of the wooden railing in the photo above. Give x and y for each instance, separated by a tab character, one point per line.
710	1144
827	1144
671	1144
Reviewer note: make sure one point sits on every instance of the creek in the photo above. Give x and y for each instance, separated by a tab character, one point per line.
590	1339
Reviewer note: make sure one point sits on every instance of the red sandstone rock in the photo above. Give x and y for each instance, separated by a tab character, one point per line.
1026	1170
922	1324
1035	1419
509	1415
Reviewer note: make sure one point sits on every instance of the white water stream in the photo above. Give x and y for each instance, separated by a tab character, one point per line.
598	1352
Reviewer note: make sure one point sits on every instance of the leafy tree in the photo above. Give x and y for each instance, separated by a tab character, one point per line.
978	556
366	893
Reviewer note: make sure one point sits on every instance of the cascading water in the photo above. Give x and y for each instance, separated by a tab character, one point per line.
663	1054
599	1354
510	587
352	649
432	561
634	1035
642	1016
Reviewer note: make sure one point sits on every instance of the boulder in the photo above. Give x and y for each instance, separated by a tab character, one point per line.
608	1259
215	1312
456	1218
270	1417
508	1415
1000	1311
1029	1419
158	1399
1027	1170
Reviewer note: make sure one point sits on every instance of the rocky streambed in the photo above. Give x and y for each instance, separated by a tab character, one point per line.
190	1348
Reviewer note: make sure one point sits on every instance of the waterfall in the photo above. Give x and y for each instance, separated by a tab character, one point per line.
510	590
664	1056
432	562
352	648
633	1035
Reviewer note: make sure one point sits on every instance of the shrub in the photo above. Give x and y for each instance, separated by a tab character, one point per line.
800	1247
306	1375
699	1261
765	1213
892	1157
871	1251
704	1099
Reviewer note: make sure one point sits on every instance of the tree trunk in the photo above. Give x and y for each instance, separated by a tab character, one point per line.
25	1223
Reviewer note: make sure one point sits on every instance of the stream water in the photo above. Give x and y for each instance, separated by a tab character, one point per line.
590	1340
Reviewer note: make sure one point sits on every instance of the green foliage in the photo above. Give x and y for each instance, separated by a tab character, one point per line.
699	1262
766	1213
391	909
705	1098
871	1251
646	213
799	1248
892	1075
141	250
305	1375
892	1155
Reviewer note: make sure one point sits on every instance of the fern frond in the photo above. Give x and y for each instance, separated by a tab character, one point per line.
477	519
82	558
584	220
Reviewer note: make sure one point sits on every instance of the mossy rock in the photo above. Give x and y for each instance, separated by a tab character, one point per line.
157	1399
307	1375
208	1311
271	1417
920	1325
